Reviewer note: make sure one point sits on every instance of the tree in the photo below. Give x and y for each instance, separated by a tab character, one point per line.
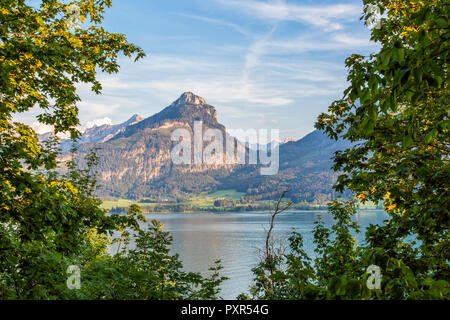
50	221
395	112
45	219
146	271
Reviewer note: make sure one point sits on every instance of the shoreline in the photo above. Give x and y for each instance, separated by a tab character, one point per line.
200	211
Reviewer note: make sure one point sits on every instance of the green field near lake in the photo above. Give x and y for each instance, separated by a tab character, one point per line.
202	201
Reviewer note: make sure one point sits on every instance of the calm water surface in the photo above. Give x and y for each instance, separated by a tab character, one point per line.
237	239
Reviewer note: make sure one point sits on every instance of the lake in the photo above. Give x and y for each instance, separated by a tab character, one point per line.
238	238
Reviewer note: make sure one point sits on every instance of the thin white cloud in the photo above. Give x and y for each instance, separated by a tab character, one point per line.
233	26
352	41
274	83
266	119
92	109
41	128
325	17
319	42
252	60
98	122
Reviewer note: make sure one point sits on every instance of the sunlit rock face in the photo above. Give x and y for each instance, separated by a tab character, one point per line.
135	158
189	98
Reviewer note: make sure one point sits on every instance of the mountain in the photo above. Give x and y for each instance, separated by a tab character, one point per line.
106	132
135	158
137	161
96	133
304	168
183	111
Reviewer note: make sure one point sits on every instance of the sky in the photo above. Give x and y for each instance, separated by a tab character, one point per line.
261	63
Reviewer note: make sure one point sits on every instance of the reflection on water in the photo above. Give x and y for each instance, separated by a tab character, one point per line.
237	238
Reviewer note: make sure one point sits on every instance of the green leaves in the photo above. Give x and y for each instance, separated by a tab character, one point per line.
49	221
399	55
42	59
385	58
442	22
432	135
146	272
400	131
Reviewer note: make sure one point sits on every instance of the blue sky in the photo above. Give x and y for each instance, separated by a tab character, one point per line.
262	64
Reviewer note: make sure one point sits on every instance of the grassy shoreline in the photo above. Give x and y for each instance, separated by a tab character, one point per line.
219	201
122	205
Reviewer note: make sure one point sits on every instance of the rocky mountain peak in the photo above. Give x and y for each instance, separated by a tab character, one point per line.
187	109
134	119
190	98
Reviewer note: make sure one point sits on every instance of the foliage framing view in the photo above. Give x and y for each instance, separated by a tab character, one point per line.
395	111
49	222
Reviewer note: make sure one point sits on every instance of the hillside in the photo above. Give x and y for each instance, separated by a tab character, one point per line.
137	162
135	159
304	168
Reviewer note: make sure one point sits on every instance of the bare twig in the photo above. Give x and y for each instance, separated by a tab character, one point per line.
278	209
